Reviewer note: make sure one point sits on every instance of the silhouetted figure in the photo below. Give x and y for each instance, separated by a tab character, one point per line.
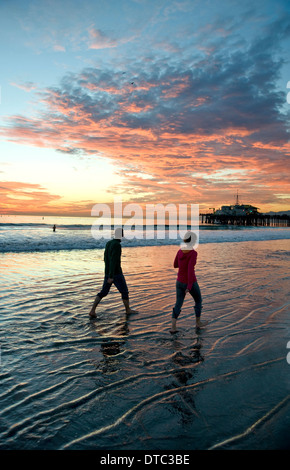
185	261
53	228
113	273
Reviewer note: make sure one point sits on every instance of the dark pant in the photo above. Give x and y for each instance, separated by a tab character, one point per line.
180	295
120	283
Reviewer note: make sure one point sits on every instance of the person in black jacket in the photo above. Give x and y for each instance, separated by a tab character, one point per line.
113	273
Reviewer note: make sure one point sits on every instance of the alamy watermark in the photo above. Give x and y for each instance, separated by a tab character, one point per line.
155	221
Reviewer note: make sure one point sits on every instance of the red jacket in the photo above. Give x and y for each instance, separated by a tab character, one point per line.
185	262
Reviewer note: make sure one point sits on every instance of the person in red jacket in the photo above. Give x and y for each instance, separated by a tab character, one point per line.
185	261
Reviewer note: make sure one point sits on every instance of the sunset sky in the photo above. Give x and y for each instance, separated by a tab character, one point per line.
179	101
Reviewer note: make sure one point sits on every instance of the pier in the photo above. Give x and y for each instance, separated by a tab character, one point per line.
256	219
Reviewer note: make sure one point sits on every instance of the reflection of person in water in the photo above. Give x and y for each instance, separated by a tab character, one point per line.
113	273
184	371
53	228
114	334
185	261
110	349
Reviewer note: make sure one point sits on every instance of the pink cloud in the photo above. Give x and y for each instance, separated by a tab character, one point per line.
169	126
99	40
27	86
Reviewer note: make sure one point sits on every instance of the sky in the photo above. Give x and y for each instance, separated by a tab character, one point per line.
144	101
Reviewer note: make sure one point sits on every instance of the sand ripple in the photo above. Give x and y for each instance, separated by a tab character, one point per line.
120	382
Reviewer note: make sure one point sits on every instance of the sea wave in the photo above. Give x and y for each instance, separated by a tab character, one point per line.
68	238
24	226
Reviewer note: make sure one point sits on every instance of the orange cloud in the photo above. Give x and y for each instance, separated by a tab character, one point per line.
27	198
192	140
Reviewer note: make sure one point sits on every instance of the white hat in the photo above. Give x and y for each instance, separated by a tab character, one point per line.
189	240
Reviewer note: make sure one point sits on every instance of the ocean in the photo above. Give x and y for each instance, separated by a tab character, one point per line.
123	382
35	234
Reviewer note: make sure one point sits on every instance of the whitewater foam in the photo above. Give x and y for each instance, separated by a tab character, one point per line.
40	237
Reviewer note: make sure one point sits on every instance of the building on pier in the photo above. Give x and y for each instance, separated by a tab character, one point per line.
244	214
237	209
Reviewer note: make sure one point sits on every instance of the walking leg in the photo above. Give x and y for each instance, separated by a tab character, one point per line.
105	289
127	306
93	309
195	293
180	294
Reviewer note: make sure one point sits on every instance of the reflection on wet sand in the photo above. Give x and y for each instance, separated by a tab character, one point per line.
110	328
110	346
184	372
124	382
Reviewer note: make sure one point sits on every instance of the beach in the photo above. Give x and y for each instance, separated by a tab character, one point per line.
122	382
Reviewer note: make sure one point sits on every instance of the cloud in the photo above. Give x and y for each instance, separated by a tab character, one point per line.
16	195
26	86
185	124
30	198
58	48
99	40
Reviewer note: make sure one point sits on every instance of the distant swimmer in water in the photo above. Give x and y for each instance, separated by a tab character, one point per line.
113	273
185	261
53	228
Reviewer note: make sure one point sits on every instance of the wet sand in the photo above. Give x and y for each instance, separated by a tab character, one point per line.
124	382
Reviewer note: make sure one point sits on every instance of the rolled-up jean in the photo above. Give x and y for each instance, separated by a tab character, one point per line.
120	282
180	295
